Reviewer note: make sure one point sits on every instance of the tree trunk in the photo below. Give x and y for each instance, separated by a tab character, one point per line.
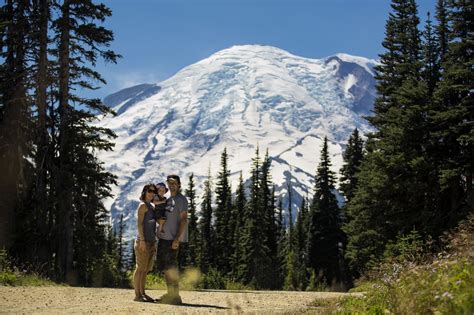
12	129
42	134
64	180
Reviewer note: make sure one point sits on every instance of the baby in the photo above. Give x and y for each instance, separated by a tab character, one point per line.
160	205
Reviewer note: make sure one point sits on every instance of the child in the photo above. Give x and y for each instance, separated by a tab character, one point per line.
160	205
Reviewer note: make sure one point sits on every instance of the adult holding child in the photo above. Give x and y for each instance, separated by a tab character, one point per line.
174	231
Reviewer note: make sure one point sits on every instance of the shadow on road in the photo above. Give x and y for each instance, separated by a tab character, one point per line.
204	305
194	305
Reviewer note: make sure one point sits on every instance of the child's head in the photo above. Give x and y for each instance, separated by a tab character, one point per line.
161	188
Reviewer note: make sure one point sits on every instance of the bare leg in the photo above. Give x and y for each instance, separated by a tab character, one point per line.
137	275
143	282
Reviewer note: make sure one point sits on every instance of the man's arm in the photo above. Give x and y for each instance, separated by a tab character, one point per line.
183	216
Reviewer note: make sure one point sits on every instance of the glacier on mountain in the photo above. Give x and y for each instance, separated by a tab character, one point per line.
237	98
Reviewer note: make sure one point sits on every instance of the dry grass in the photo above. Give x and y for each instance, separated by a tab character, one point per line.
423	284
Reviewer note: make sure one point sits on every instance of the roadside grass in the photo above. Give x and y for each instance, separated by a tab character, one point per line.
12	276
193	279
15	278
425	284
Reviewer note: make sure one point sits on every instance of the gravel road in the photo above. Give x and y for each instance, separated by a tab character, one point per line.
71	300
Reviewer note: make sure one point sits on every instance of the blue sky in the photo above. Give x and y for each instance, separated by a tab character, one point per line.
157	38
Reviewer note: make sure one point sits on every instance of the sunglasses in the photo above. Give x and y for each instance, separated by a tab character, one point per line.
151	191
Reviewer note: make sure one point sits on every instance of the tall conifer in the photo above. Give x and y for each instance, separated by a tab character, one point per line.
324	233
222	216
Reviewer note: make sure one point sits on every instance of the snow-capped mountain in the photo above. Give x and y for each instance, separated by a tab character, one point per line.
237	98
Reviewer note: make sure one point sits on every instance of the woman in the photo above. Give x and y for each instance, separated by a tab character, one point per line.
145	245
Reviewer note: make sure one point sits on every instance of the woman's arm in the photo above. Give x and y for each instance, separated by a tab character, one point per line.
141	235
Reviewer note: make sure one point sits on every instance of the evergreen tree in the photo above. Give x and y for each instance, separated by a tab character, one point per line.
291	278
40	25
453	113
132	257
255	253
15	117
222	215
325	233
394	176
300	246
290	215
207	237
120	245
442	29
352	158
80	41
193	248
52	178
282	245
239	218
431	59
269	223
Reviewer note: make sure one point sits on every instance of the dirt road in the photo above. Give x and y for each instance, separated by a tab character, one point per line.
61	300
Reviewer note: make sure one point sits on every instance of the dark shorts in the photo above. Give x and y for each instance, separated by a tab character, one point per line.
166	257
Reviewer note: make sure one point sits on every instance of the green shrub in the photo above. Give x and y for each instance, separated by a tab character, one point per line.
231	284
213	279
407	248
8	278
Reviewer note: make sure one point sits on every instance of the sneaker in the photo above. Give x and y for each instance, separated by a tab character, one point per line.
170	299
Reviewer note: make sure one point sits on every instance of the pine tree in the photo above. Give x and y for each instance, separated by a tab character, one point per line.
255	253
40	23
393	182
120	246
193	248
222	215
80	42
352	158
325	233
269	223
15	116
290	215
442	29
207	237
282	245
431	56
132	258
300	246
239	218
291	279
453	114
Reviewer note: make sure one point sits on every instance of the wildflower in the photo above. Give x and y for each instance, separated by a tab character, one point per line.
447	295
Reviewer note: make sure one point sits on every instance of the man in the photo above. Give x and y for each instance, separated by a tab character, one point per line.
174	231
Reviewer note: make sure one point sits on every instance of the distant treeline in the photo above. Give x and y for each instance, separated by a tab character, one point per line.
412	175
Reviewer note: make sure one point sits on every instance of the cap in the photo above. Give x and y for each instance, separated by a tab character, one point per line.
173	177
